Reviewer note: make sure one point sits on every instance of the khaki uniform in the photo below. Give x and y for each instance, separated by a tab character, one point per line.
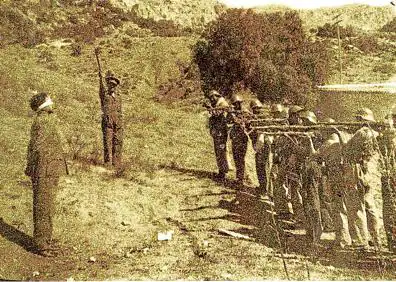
112	125
363	153
263	157
219	132
387	142
338	171
45	164
239	139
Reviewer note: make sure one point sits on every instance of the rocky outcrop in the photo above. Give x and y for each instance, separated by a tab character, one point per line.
186	13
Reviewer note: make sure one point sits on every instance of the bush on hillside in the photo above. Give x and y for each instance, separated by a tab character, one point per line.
266	53
367	44
330	31
390	26
17	27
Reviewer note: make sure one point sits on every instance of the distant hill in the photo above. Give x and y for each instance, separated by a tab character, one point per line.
187	13
364	17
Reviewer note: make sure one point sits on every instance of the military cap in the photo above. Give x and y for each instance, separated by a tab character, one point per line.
110	76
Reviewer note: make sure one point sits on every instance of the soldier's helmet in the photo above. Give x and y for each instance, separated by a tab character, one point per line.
308	116
236	99
222	103
295	109
328	120
214	94
393	110
365	114
40	101
110	77
277	108
256	104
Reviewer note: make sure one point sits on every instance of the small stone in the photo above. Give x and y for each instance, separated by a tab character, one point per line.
36	273
145	251
165	236
92	259
69	181
125	223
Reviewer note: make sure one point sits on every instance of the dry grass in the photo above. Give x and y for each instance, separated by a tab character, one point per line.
165	183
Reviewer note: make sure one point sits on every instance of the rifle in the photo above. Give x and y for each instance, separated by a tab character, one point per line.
267	121
97	51
101	89
321	126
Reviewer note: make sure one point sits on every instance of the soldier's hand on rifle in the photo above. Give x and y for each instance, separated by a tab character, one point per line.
97	51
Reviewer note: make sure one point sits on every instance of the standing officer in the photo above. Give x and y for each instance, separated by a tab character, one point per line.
112	125
219	131
45	164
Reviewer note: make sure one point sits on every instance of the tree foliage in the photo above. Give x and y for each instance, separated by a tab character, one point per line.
266	53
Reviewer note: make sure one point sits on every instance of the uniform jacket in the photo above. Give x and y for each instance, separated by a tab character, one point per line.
45	157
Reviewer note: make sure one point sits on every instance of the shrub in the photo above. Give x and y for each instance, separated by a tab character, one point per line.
367	44
385	68
266	53
330	31
17	27
390	26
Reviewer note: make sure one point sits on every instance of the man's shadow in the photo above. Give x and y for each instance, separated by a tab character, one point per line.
204	174
18	237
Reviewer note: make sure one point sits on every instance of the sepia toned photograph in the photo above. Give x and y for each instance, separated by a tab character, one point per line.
218	140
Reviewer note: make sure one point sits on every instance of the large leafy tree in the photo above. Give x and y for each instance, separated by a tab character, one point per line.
266	53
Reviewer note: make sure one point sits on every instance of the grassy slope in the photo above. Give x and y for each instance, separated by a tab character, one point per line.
169	159
357	15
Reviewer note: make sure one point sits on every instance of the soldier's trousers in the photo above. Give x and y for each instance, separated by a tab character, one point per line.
311	201
43	210
220	148
340	213
112	142
239	149
279	189
389	210
294	185
357	215
263	165
362	208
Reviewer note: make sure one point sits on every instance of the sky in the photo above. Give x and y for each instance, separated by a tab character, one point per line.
302	4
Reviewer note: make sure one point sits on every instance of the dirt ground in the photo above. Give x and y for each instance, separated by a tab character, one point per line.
108	228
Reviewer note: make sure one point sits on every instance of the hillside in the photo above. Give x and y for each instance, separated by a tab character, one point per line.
362	17
108	221
187	13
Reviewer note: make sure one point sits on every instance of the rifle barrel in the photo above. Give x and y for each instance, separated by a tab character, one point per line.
319	126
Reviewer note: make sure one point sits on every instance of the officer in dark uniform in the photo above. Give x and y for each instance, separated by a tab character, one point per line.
112	124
